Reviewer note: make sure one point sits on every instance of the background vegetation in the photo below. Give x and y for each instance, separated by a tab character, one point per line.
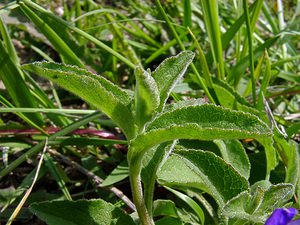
247	59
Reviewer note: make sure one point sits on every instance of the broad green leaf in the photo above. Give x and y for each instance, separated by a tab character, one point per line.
146	97
267	199
276	196
233	152
204	122
202	170
93	88
184	103
119	173
169	72
82	212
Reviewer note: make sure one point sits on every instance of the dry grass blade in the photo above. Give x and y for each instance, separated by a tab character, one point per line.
23	200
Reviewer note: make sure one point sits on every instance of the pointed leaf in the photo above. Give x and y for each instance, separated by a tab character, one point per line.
92	88
169	72
151	163
146	96
234	153
276	196
204	122
235	209
268	199
202	170
82	212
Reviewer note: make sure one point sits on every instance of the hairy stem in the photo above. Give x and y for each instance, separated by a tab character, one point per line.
137	192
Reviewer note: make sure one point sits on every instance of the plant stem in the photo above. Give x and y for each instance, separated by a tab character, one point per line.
137	192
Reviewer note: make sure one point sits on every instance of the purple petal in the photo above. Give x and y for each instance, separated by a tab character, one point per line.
295	222
281	216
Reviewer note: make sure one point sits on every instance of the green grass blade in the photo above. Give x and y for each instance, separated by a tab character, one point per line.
230	33
180	43
67	54
257	73
241	66
12	78
251	59
56	174
187	13
80	32
23	116
8	42
211	15
163	49
37	148
253	21
265	83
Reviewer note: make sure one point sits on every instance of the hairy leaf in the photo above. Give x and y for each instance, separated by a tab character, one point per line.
233	152
82	212
204	122
202	170
93	88
265	200
146	96
151	163
169	72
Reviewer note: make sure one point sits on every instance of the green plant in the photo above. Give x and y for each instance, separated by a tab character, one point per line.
177	143
152	122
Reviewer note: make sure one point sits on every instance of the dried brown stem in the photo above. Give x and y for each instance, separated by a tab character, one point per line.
97	180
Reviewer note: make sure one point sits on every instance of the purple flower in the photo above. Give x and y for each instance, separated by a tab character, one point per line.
283	217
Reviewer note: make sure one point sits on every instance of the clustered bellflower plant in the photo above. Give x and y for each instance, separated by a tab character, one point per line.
283	216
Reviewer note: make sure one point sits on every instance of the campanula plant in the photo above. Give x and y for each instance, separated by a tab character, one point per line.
153	126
